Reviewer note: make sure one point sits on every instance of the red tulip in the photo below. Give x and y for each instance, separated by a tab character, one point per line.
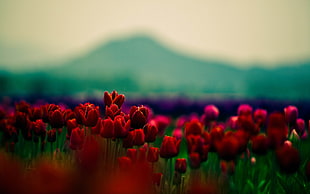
139	137
121	127
260	116
291	114
150	131
180	165
169	147
194	127
107	130
288	159
177	133
211	112
142	154
77	139
35	113
113	98
96	129
56	119
71	124
153	154
260	144
161	122
138	116
228	148
245	109
128	140
194	160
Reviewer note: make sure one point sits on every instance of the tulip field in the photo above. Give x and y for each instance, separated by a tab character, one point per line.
111	147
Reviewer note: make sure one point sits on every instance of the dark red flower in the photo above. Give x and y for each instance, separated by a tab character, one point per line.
132	154
139	137
112	111
121	127
107	130
77	138
124	163
21	120
56	119
260	144
35	113
128	140
194	127
92	117
153	154
228	148
150	131
288	159
38	127
277	130
71	124
180	165
113	98
194	143
156	178
142	154
68	114
138	116
169	147
22	106
51	135
96	129
194	160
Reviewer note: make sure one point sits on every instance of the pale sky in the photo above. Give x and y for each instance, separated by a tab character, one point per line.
241	31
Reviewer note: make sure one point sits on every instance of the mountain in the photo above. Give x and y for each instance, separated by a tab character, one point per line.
141	64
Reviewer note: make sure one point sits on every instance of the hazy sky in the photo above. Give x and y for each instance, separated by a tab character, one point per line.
243	31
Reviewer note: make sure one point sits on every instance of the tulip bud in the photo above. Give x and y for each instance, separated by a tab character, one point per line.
56	119
51	135
150	131
194	127
244	109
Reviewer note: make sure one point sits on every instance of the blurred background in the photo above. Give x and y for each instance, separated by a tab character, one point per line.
203	49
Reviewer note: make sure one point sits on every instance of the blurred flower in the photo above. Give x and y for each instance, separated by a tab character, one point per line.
300	126
124	163
153	154
112	111
128	140
233	122
180	165
71	124
227	148
139	137
150	131
97	128
169	147
161	122
177	133
107	129
142	154
77	139
51	135
288	159
294	136
253	160
132	154
245	109
291	114
277	130
260	116
211	112
194	127
194	160
260	144
156	178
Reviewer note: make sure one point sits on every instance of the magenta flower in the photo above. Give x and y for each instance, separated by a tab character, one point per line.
245	109
291	114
